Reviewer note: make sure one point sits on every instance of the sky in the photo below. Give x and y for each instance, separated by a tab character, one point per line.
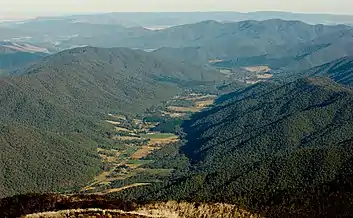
28	8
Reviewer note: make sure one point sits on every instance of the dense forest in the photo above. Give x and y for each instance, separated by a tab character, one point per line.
52	118
284	150
9	62
339	70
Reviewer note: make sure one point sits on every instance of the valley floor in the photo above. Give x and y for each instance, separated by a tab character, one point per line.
137	138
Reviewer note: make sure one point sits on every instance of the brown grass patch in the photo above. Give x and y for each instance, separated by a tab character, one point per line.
264	76
87	213
184	109
121	117
127	138
173	115
122	129
203	104
215	61
113	122
162	141
226	72
133	166
257	69
142	152
109	156
169	209
189	210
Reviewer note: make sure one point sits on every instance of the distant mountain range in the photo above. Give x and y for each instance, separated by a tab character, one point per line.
165	19
277	43
280	44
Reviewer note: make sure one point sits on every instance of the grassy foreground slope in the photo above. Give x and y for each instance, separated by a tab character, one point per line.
61	206
52	116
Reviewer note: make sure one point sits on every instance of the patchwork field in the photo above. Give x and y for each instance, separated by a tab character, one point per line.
136	140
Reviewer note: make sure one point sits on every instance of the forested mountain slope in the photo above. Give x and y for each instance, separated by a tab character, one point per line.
269	149
340	70
12	61
211	40
323	49
303	55
52	116
228	41
263	33
275	121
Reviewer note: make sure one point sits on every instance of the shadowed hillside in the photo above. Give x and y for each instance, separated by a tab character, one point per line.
340	70
278	150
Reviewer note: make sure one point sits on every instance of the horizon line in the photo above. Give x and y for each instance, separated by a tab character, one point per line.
35	15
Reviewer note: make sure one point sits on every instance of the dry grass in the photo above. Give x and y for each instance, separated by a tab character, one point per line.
121	129
121	117
163	210
113	122
226	72
173	115
109	156
215	60
187	210
162	141
137	121
203	104
87	213
102	178
127	138
142	152
258	69
264	76
133	166
184	109
252	81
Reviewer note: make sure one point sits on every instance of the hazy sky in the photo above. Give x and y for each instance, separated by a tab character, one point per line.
55	7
